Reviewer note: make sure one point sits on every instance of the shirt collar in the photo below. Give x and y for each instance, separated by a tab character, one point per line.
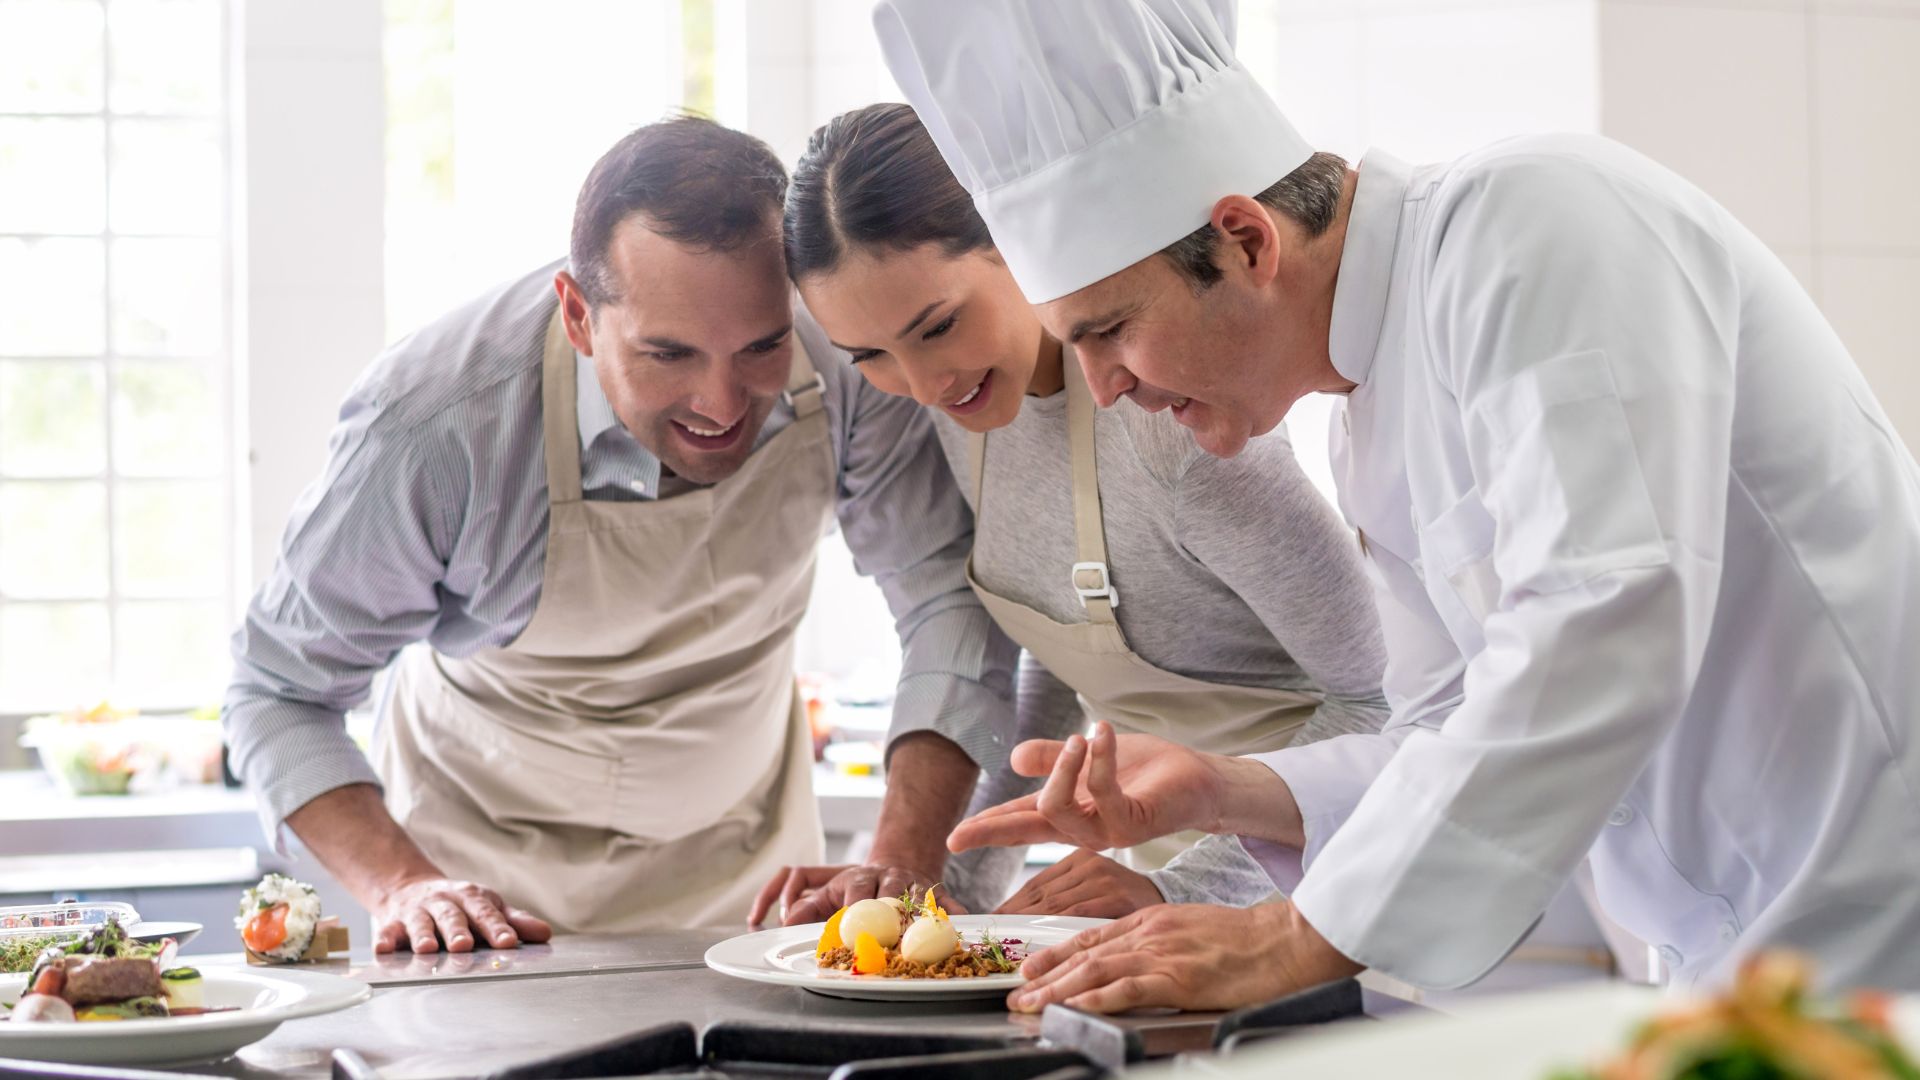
1366	264
590	403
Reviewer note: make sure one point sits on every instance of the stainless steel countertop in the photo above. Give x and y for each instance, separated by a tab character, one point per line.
489	1010
447	1015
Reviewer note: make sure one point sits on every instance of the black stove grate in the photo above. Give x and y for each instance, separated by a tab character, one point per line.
741	1051
1114	1043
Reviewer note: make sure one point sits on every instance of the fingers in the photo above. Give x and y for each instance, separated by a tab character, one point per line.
1103	785
1035	757
482	909
389	936
769	892
530	928
844	887
422	938
790	895
1047	886
451	923
1059	798
1046	960
1009	830
1141	991
1085	973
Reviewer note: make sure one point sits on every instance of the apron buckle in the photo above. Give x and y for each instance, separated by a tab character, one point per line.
817	386
1102	591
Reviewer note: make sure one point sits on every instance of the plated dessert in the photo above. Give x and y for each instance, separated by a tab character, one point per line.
904	938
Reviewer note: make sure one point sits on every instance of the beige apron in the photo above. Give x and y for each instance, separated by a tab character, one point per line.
1092	657
637	758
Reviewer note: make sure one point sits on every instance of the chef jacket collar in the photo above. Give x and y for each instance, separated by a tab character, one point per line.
1366	264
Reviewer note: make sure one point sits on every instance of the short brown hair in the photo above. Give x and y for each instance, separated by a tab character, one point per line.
873	178
1309	196
698	183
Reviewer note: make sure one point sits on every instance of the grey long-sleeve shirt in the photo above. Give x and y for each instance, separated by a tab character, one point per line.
1233	571
429	524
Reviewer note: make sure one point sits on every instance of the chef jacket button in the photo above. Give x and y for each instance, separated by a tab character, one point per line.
1670	956
637	485
1620	815
1729	930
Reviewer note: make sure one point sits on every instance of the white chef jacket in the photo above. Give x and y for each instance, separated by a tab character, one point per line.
1647	552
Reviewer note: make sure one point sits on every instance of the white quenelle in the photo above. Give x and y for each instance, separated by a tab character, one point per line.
881	918
929	940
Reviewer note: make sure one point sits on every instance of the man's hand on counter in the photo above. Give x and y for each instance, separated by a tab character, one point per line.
1084	883
428	914
929	780
414	904
1193	957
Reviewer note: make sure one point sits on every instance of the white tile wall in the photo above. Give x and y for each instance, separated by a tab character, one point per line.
1720	96
1439	83
1866	129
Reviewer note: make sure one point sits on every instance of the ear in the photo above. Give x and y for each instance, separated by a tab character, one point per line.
575	312
1250	241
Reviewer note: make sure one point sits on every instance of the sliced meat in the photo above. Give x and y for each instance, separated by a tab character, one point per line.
96	980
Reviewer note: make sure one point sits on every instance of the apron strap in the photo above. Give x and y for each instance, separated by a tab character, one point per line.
1091	578
560	413
806	390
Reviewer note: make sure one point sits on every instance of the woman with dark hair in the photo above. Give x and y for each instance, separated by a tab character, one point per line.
1217	645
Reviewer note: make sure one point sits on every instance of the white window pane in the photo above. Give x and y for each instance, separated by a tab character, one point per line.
55	298
166	56
53	656
171	654
168	419
169	538
166	297
52	176
51	420
50	56
53	540
167	176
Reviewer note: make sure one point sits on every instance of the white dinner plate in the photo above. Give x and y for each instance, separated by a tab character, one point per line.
784	957
1528	1037
266	998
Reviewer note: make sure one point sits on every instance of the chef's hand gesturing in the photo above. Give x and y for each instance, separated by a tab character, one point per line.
1183	956
1110	791
811	893
428	914
1084	883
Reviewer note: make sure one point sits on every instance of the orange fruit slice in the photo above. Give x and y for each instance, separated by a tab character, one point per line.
869	957
830	937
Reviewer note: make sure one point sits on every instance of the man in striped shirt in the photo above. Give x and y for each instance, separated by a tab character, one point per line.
589	500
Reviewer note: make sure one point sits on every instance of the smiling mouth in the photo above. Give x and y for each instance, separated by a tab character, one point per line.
973	399
711	433
709	438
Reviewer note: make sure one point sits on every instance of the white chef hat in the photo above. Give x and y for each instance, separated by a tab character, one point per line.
1091	133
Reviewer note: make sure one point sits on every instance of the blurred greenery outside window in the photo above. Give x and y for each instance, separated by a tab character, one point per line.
116	478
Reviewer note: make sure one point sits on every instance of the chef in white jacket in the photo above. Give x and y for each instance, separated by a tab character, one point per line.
1646	547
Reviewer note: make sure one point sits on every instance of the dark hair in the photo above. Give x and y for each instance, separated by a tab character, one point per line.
698	183
873	178
1309	196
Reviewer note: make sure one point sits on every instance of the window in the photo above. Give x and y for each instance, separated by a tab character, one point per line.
116	495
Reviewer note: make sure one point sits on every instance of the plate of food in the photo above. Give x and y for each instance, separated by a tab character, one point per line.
896	948
107	999
1767	1026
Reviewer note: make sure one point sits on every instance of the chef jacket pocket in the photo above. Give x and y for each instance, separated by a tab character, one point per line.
1564	473
1459	544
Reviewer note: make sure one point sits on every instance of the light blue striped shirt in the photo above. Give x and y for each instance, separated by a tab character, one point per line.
429	523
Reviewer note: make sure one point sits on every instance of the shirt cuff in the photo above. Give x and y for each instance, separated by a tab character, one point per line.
1217	870
959	709
1327	780
290	754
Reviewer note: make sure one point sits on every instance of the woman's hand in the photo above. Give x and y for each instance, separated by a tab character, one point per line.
1084	883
